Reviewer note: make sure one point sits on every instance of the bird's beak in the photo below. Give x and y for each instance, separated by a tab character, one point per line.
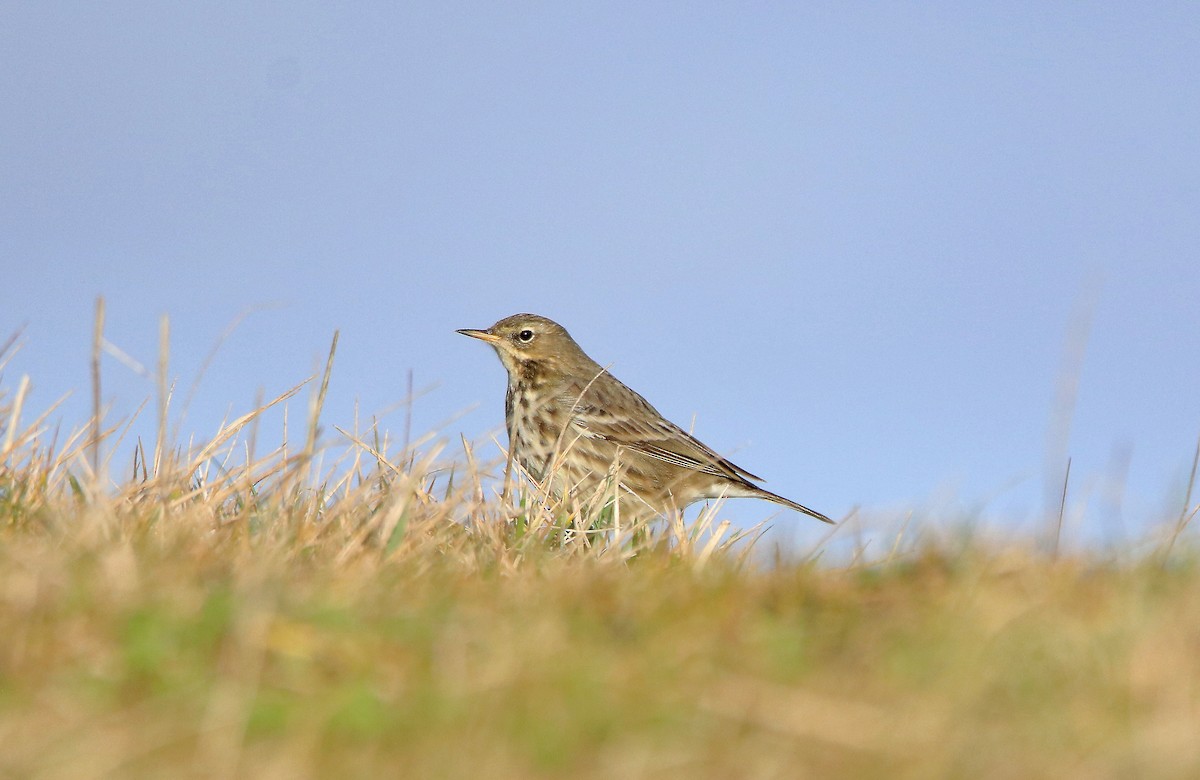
482	335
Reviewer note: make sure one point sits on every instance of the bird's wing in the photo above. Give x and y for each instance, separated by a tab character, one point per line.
619	415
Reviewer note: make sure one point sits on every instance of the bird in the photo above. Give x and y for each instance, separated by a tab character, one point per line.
569	419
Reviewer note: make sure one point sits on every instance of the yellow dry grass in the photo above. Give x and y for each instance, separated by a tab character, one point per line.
216	614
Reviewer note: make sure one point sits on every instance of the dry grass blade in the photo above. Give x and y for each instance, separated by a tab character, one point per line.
164	360
1184	515
97	347
1062	510
14	417
318	401
7	348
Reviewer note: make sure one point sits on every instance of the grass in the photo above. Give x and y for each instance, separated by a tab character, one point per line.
217	614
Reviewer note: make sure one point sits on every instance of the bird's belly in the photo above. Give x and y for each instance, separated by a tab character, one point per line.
534	433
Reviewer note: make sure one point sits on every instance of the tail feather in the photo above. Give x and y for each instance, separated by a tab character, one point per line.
778	499
745	489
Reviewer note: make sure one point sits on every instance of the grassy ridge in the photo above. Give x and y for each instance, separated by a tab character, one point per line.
205	617
142	650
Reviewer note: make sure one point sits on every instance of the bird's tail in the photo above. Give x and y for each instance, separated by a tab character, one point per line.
789	503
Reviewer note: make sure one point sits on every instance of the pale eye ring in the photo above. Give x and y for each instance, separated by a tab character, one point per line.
525	336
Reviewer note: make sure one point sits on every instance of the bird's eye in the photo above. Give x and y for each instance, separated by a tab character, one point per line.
525	336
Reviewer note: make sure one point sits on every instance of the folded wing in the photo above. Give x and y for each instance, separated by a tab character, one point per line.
630	421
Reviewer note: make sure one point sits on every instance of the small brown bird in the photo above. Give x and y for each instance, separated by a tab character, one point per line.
570	418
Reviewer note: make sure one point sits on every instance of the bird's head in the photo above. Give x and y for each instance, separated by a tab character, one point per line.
527	340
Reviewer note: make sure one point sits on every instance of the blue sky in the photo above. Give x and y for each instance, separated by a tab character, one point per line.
849	241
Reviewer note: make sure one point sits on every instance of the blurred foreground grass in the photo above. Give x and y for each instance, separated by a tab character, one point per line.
260	618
